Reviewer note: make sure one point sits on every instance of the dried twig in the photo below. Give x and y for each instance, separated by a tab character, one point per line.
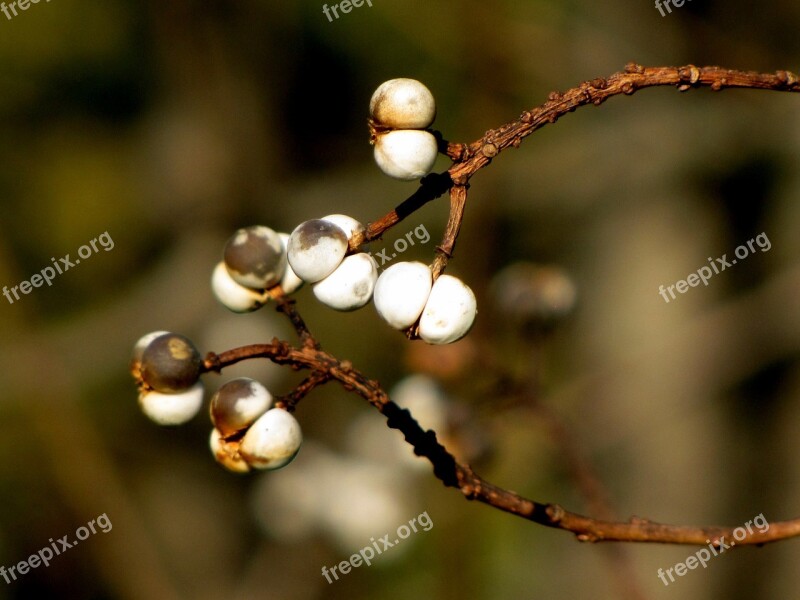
461	476
468	159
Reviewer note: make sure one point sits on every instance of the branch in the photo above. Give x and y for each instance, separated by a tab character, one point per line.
286	306
635	77
472	486
458	202
431	187
303	389
468	159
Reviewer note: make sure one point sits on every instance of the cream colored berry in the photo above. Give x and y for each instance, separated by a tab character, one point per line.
348	224
272	441
232	295
172	409
350	286
238	403
254	257
402	104
227	453
401	293
406	154
290	282
449	312
315	249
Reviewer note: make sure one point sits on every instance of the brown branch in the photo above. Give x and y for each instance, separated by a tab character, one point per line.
458	202
635	77
431	187
286	306
468	159
472	486
303	389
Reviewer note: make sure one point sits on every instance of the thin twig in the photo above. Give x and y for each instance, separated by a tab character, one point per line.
468	159
598	90
287	307
431	187
458	202
472	486
303	389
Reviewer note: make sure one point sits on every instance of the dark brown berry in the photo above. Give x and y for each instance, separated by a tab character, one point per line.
171	364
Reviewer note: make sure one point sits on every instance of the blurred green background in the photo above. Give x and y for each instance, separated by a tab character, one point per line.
169	125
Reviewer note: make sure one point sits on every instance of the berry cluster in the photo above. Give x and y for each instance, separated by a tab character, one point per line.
256	260
258	263
249	431
167	368
400	111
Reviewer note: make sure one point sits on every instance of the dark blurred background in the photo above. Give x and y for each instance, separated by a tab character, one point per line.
169	125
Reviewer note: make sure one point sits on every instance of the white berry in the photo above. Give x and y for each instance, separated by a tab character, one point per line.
449	312
290	282
238	403
172	409
227	453
350	286
232	295
347	224
402	104
406	154
272	441
254	257
315	249
143	342
401	293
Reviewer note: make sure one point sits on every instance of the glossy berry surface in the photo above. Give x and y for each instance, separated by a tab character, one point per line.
401	293
238	403
227	453
170	363
172	409
449	312
272	441
315	249
254	257
232	295
406	154
403	103
290	282
350	286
